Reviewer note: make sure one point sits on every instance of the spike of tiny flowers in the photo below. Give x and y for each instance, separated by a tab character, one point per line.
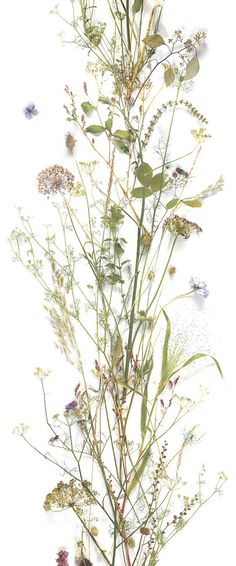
71	406
62	556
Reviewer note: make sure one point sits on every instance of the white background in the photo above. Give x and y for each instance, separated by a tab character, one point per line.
34	66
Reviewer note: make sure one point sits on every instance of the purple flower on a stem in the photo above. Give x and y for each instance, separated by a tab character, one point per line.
71	406
84	562
199	286
62	558
30	111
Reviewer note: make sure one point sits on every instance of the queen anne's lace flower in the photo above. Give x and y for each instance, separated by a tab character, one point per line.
55	179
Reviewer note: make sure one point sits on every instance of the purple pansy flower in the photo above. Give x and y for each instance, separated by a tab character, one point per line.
71	406
199	286
30	111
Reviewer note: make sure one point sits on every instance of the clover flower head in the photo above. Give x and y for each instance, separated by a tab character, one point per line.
62	556
30	111
179	226
55	179
199	286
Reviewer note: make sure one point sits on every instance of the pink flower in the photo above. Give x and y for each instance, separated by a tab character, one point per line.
62	558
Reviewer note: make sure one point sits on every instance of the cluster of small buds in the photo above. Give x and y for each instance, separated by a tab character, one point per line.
194	111
41	373
179	226
62	556
179	172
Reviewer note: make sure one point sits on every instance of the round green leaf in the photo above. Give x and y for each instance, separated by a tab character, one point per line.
144	174
158	182
141	192
153	41
192	68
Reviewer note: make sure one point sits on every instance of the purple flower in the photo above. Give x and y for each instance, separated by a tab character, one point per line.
199	286
180	171
71	406
30	111
62	558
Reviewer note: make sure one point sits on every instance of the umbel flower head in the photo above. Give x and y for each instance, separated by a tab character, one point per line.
55	179
62	556
179	226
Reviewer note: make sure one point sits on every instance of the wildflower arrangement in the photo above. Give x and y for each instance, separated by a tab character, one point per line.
122	217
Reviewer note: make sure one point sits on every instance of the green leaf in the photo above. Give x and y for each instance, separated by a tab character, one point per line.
144	409
165	345
144	174
124	135
141	192
104	100
169	76
117	352
108	124
172	203
194	203
153	41
138	472
192	68
158	182
137	5
87	107
95	129
122	146
196	357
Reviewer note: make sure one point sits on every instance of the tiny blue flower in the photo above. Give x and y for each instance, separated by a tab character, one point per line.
30	111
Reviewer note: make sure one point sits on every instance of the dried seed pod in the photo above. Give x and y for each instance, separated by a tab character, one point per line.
70	142
144	531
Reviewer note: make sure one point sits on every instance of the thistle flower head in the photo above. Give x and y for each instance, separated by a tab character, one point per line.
179	226
55	179
62	556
